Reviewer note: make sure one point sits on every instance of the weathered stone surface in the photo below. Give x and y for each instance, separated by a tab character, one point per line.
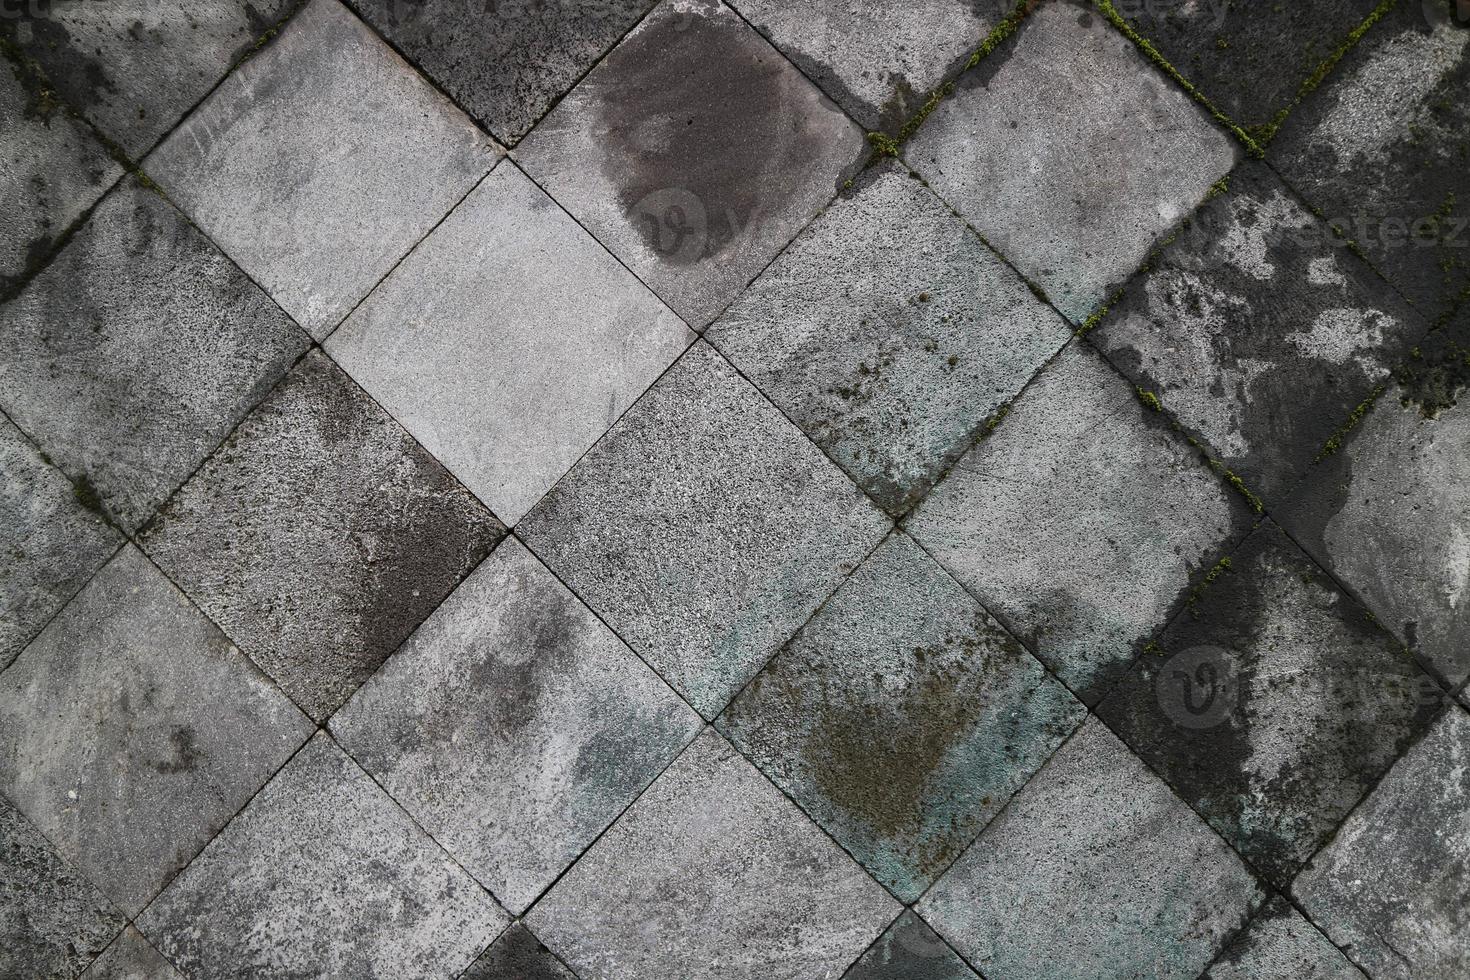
901	717
514	726
1391	887
879	61
54	920
889	333
1273	704
322	875
910	950
712	873
1382	150
131	730
133	355
508	342
1259	330
55	169
131	958
695	152
506	63
518	955
52	543
704	529
1281	945
320	163
1080	521
1094	870
320	535
1071	154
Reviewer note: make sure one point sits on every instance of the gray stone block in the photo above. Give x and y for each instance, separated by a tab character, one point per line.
131	958
910	950
518	955
1281	945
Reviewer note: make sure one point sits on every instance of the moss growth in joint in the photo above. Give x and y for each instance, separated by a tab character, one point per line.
1149	399
1211	577
1335	443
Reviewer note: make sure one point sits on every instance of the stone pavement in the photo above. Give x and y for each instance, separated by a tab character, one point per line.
602	489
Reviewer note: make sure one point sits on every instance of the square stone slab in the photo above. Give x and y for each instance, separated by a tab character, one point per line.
514	726
712	873
1382	149
518	955
695	152
508	342
506	63
131	730
322	875
901	717
1273	704
133	355
55	920
55	169
320	162
51	542
879	61
1080	521
1281	945
131	958
320	535
889	333
704	529
910	950
1071	154
1391	887
1094	870
1259	330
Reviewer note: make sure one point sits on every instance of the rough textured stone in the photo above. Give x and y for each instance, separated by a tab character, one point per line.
1259	330
54	920
518	955
1094	870
712	873
901	717
1391	887
131	958
137	351
1273	705
131	730
695	152
508	342
910	950
290	167
514	726
879	61
889	333
52	543
1281	945
704	529
507	62
1072	156
1079	522
322	875
1383	148
320	536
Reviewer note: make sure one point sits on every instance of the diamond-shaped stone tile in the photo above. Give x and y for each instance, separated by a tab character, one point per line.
704	529
514	726
51	543
131	730
1079	521
695	152
508	342
1071	154
1382	150
1281	945
889	332
322	875
131	958
506	63
136	351
54	921
1259	330
55	169
1390	888
712	873
879	61
518	955
910	950
901	717
320	162
320	535
1094	870
1273	704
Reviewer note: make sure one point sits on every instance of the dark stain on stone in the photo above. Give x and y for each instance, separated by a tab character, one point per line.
186	757
517	955
1435	375
78	74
